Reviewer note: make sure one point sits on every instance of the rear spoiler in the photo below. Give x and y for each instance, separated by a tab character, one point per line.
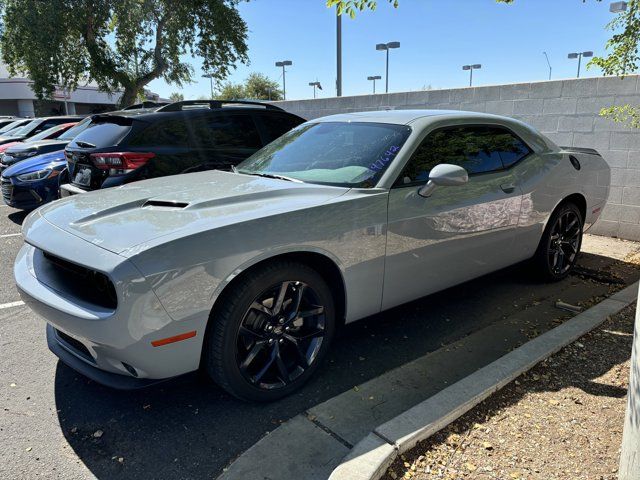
588	151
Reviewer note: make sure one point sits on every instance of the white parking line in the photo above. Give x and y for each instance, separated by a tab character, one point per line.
11	304
10	235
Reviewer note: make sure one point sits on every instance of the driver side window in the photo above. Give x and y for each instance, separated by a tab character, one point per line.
478	149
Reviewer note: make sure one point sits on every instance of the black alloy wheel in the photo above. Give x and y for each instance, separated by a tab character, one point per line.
269	331
280	335
560	244
564	242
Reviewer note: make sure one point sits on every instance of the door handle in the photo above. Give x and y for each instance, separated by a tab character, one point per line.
508	187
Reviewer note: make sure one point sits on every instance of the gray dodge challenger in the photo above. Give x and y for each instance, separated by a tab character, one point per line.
248	274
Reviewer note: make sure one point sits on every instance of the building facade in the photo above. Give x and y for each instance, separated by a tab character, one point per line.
17	99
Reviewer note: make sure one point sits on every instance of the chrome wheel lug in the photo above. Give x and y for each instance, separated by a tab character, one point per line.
281	340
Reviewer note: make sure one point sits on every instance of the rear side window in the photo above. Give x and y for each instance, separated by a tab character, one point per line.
172	132
102	134
478	149
275	126
225	131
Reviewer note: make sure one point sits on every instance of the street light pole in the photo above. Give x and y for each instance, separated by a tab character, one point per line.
283	64
210	77
338	54
387	46
314	85
471	68
579	56
374	78
548	63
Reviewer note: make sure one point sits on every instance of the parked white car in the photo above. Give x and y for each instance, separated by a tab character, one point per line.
247	274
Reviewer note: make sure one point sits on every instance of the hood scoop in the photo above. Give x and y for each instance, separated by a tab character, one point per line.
165	204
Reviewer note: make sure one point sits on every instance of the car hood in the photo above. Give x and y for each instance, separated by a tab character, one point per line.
121	218
34	164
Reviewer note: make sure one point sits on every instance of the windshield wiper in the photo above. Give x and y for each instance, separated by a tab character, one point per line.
82	144
271	175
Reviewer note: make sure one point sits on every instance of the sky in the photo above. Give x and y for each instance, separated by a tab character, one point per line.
436	38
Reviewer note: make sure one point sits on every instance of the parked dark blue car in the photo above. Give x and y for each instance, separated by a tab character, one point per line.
33	182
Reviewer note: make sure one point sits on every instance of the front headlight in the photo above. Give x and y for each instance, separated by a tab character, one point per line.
33	176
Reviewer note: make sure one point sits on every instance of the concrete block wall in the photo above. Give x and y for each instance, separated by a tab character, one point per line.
567	111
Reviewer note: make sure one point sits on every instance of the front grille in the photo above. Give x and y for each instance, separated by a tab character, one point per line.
88	285
7	189
75	345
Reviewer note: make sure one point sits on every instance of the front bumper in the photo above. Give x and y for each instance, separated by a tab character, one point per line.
29	196
65	352
116	341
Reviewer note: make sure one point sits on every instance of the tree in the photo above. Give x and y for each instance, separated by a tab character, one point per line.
119	44
261	87
176	97
231	91
256	86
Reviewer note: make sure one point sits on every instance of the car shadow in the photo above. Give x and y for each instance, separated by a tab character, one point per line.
190	428
18	216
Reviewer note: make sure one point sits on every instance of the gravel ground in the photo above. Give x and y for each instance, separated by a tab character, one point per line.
561	420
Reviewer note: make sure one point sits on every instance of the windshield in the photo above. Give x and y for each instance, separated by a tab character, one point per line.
49	132
11	126
352	154
25	130
73	131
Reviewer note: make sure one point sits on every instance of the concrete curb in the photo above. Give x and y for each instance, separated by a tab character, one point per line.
370	457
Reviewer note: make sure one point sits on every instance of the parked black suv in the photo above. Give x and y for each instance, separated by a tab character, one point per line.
181	137
35	126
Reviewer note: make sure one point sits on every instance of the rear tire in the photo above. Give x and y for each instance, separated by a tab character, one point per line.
270	332
560	244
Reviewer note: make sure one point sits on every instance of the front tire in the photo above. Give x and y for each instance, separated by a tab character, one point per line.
560	244
270	332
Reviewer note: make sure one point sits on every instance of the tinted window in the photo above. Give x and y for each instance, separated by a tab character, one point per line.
219	131
171	132
13	125
476	149
275	126
336	153
73	131
103	134
48	133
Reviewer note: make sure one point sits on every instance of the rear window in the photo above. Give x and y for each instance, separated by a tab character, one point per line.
225	131
102	134
172	132
275	126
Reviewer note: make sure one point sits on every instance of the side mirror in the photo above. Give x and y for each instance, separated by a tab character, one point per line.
444	175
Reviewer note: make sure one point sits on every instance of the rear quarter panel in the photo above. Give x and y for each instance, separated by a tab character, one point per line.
549	177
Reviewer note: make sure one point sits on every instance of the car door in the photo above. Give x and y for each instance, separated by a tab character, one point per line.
459	232
224	139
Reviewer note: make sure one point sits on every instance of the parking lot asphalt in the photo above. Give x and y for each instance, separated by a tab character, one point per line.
56	424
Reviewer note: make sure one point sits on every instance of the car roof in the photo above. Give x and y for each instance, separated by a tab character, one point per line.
404	117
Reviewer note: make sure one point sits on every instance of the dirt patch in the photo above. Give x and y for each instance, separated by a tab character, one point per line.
561	420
